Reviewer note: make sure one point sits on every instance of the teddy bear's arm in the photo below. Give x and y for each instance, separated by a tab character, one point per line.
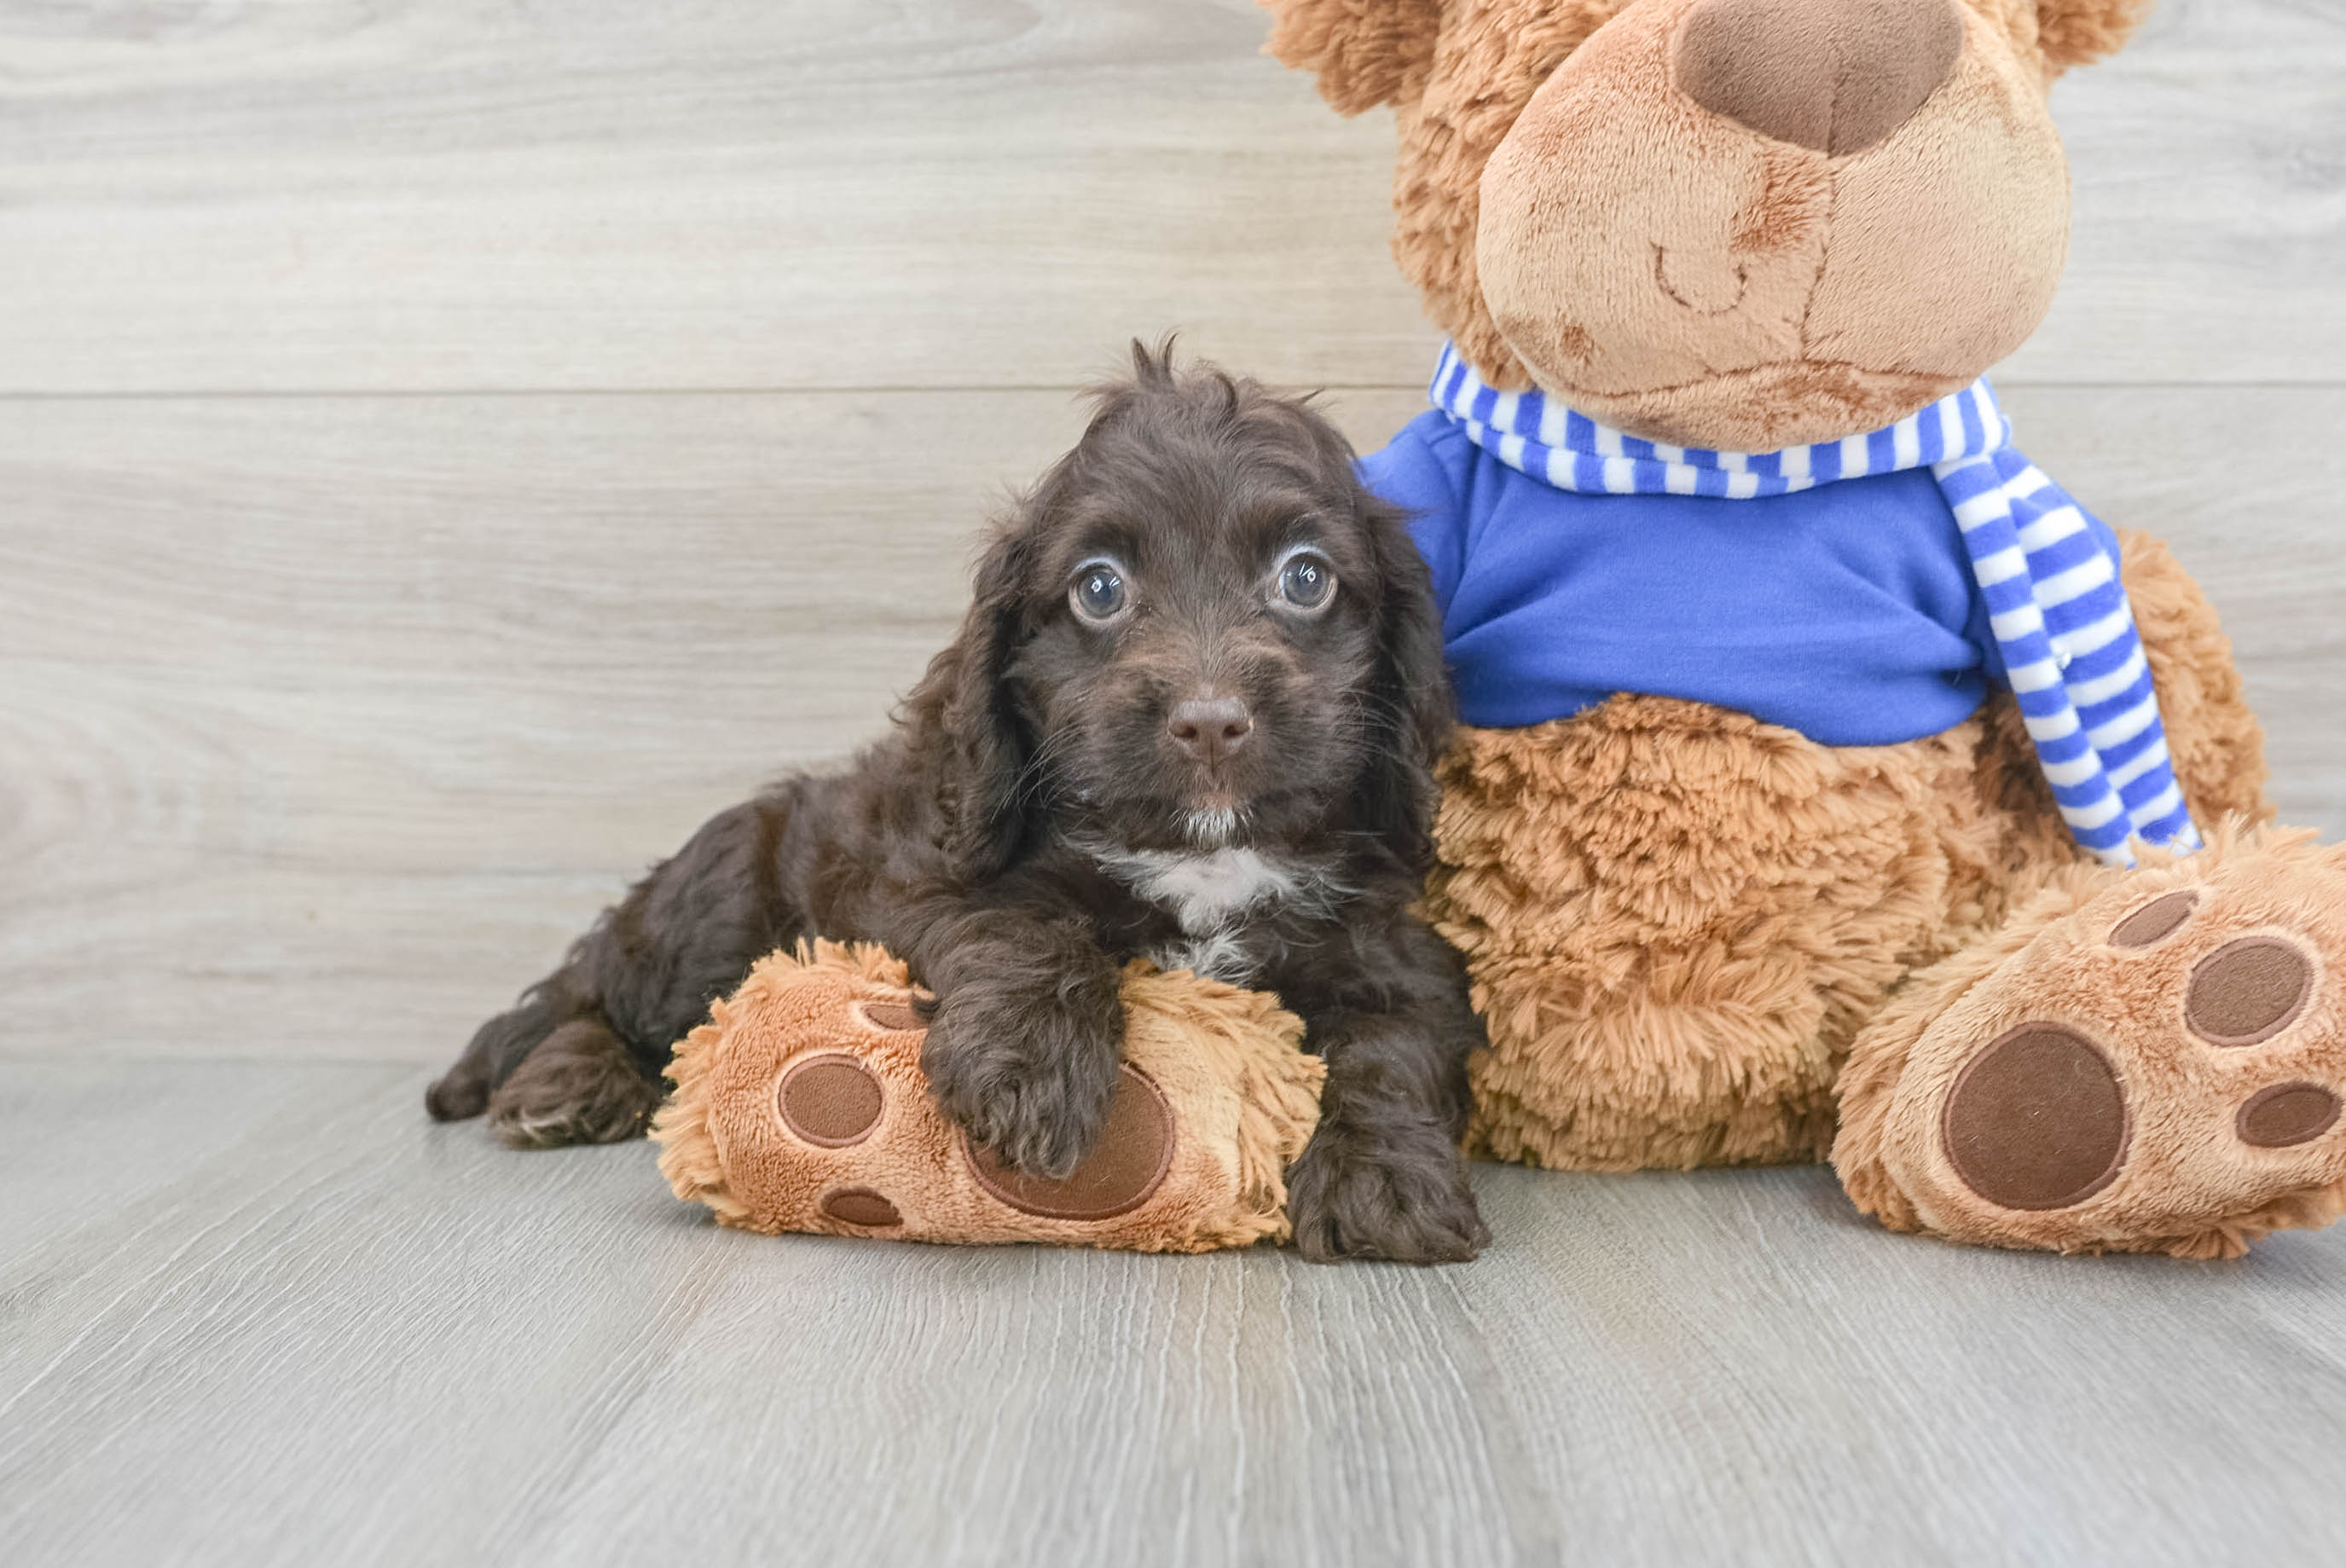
2217	742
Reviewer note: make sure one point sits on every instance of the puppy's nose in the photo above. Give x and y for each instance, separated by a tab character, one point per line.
1837	76
1209	728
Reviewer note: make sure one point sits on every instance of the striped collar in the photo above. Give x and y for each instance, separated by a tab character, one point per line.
1534	433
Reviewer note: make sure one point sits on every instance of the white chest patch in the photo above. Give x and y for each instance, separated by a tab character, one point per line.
1212	894
1208	890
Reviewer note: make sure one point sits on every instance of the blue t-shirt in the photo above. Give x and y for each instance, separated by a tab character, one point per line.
1848	613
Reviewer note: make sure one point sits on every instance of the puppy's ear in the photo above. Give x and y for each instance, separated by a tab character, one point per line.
965	716
1366	52
2079	32
1410	697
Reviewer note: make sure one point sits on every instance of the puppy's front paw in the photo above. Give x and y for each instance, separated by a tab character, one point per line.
1405	1200
1028	1077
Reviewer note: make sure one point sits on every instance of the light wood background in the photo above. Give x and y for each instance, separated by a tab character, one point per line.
447	448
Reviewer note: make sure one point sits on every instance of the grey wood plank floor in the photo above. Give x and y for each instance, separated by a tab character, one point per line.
255	1314
448	448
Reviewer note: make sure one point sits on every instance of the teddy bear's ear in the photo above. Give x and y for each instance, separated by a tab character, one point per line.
1366	52
2079	32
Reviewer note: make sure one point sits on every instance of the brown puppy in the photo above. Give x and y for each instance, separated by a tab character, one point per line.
1191	715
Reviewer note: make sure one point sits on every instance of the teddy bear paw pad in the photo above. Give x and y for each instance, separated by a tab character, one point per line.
1123	1171
831	1100
2247	991
2038	1120
2287	1114
2158	1067
862	1206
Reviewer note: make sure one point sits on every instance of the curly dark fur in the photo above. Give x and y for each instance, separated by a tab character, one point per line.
1035	820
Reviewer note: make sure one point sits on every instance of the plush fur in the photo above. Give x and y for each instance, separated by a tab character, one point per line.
1678	919
1050	805
2079	32
1365	53
1698	939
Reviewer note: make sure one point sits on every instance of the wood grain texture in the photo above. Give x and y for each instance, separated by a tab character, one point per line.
367	691
427	194
312	1330
325	723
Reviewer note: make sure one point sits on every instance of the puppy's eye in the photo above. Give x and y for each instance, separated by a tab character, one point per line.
1098	592
1306	581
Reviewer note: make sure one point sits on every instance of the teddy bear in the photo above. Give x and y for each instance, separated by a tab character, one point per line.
1833	786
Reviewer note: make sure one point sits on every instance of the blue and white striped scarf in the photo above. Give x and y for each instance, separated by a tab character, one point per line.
2056	607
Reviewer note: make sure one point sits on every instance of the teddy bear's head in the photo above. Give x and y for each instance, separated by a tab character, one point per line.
1738	224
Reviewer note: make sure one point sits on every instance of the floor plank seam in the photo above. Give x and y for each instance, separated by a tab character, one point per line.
978	388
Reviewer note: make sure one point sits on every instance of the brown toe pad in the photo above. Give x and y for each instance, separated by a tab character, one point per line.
2038	1120
2248	991
2156	921
831	1100
860	1205
2287	1114
1128	1165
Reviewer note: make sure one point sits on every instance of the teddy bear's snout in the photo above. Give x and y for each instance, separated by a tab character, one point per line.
1835	75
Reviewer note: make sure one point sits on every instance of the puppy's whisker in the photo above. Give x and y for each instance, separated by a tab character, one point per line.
1040	776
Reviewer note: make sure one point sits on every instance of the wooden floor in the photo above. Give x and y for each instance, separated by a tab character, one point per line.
256	1314
447	450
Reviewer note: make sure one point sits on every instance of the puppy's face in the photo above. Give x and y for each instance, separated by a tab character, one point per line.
1208	593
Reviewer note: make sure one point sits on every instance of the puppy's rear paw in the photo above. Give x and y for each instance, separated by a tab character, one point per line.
1407	1203
458	1094
579	1086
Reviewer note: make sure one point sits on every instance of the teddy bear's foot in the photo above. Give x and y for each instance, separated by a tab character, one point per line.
2150	1061
801	1105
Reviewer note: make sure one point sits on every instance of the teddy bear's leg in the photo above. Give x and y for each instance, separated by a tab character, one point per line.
2140	1060
801	1105
1677	917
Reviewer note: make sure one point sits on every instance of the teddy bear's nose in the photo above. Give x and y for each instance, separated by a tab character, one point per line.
1837	76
